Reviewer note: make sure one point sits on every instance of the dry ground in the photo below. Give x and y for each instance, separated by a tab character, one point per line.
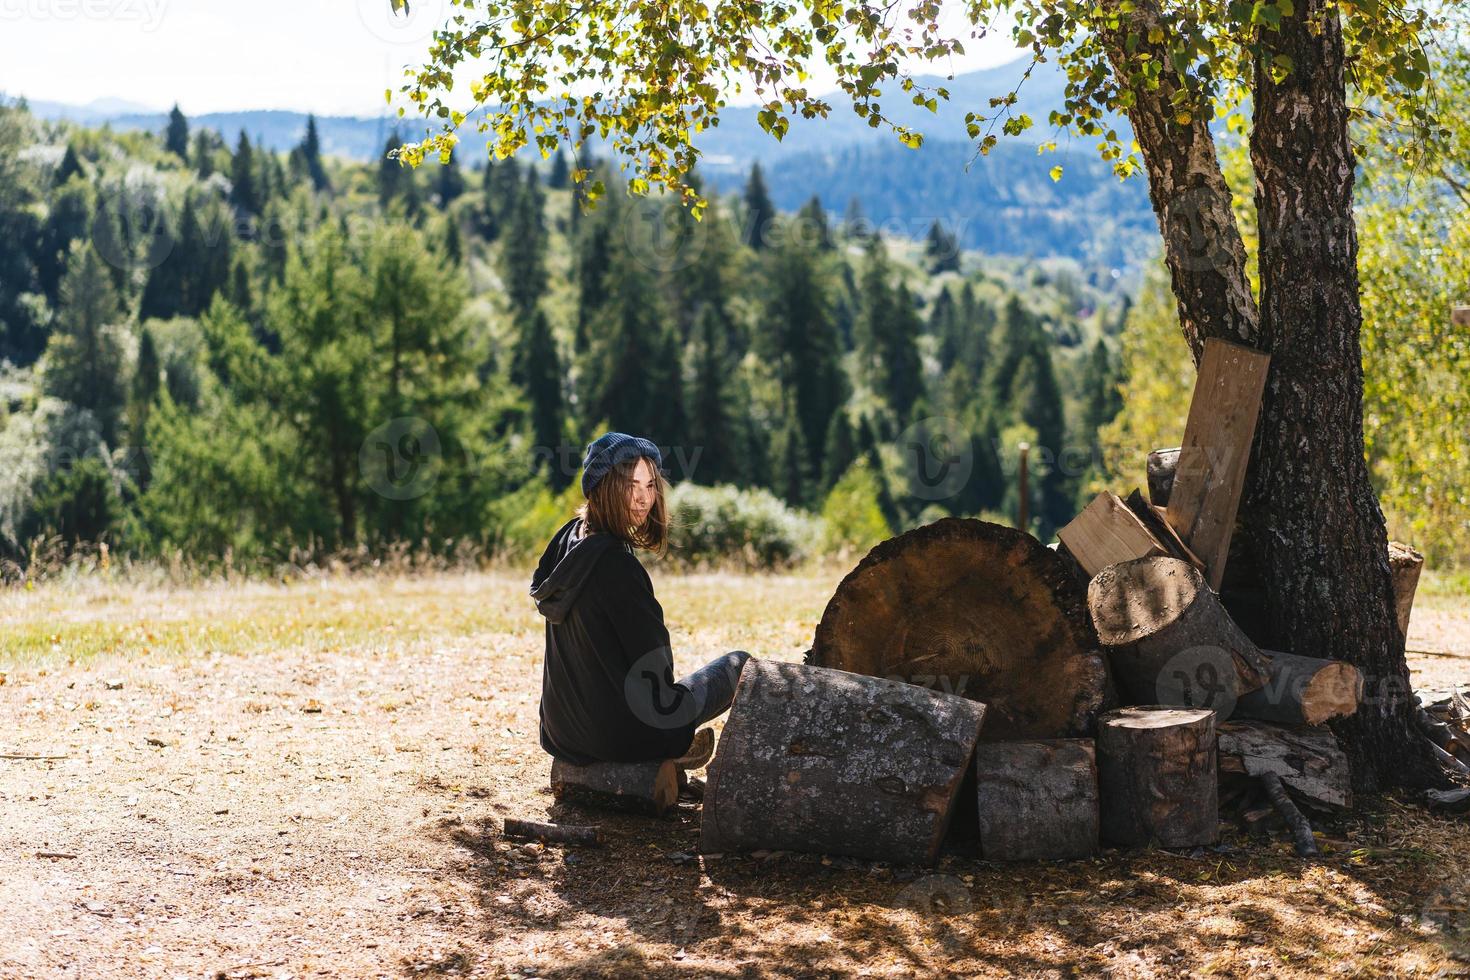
307	779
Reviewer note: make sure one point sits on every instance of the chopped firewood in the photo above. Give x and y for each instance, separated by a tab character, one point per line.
1210	474
1157	776
820	760
972	608
1309	761
1303	691
1168	638
641	787
1037	800
1107	532
1162	464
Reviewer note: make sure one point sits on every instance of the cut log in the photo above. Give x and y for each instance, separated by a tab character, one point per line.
638	787
1107	532
1460	316
1210	473
1162	464
826	761
1168	638
1156	519
553	833
976	609
1037	800
1309	760
1157	776
1303	691
1404	564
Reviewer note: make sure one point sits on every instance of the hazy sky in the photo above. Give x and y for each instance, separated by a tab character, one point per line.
333	58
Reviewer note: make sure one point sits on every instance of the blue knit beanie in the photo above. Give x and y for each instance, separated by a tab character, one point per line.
609	449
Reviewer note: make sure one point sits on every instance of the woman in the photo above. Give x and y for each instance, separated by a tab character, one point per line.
607	688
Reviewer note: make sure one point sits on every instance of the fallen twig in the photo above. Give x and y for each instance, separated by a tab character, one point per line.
553	832
1301	831
17	755
54	854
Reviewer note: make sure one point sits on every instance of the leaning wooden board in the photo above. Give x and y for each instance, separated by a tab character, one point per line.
1210	474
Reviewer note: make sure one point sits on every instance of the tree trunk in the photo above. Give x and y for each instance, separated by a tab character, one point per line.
1311	515
1202	245
828	761
976	609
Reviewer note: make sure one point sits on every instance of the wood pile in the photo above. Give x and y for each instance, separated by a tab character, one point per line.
1121	701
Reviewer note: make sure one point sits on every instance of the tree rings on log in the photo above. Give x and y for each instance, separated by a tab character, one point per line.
826	761
1303	691
1037	800
1157	776
972	608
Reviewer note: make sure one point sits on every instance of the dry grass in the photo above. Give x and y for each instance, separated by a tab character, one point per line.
307	779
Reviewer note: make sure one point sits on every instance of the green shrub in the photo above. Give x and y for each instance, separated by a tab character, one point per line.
725	525
851	518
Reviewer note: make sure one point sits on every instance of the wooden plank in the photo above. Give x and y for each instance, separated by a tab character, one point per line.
1107	532
1210	475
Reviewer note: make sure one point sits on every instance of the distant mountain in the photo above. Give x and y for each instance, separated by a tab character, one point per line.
1005	204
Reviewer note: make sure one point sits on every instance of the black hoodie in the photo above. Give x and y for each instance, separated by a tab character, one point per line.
607	686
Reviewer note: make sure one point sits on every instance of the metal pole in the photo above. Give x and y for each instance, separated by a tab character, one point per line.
1023	516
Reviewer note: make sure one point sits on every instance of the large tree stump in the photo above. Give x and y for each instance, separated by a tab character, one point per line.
1169	640
1303	691
1156	772
1404	564
813	759
1309	760
638	787
976	609
1037	800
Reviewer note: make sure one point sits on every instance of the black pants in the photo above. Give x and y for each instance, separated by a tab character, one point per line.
713	685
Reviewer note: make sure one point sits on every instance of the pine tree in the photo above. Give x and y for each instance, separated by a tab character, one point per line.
839	453
1101	400
941	249
760	213
523	250
800	338
594	262
541	369
69	167
795	465
854	221
176	136
393	179
311	155
449	182
453	241
500	189
68	219
560	172
245	183
147	380
902	375
84	357
165	293
814	228
203	154
714	419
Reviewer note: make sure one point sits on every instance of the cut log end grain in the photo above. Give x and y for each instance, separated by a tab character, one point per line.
820	760
972	608
1404	565
1158	776
1303	691
1159	622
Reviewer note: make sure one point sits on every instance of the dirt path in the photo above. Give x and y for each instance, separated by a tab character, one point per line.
308	780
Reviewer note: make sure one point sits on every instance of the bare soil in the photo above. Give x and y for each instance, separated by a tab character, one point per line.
308	779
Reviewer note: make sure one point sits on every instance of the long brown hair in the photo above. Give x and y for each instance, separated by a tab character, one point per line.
607	510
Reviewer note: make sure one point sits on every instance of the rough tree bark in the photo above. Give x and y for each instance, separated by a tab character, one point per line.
1311	516
1203	249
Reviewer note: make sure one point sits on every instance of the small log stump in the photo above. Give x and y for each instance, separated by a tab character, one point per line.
1168	638
1162	464
636	787
1404	564
1157	776
972	608
1303	691
1037	800
826	761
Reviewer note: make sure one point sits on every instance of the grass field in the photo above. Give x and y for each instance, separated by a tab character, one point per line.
307	779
